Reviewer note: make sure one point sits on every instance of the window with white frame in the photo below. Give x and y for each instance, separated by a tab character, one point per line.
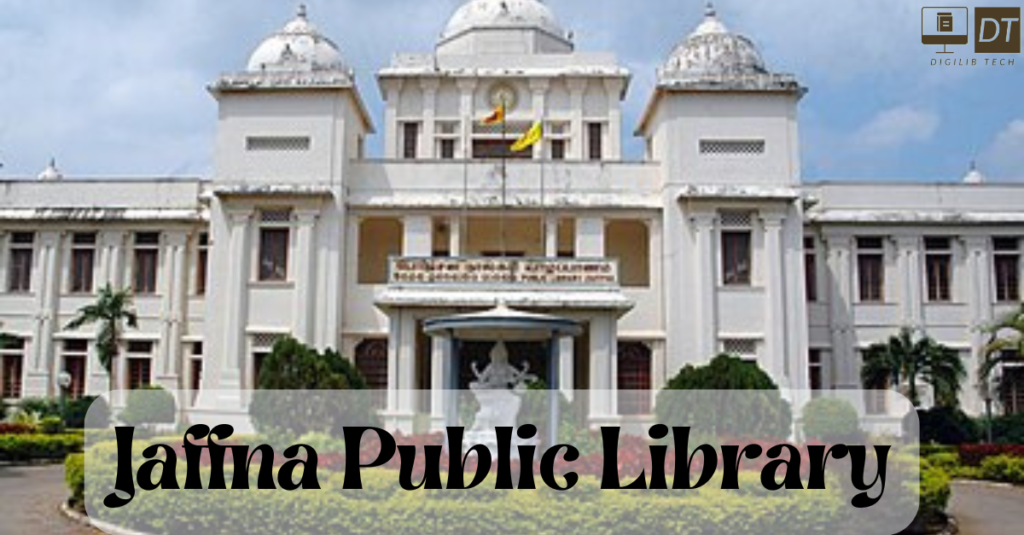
939	269
140	364
75	355
447	139
559	134
12	360
871	269
146	260
83	262
275	241
262	345
1006	264
815	372
195	370
19	269
737	248
410	139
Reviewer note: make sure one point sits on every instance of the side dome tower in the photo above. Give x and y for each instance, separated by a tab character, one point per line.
299	46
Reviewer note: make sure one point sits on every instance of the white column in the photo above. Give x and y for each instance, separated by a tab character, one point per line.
590	237
305	274
981	297
840	262
576	147
613	88
911	280
419	236
175	288
567	365
5	249
551	236
234	360
46	285
707	283
407	371
603	370
467	109
775	292
438	356
455	236
393	93
539	91
427	145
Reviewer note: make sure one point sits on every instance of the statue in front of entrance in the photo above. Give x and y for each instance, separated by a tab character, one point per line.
498	390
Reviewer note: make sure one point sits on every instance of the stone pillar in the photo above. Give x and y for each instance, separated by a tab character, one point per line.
5	248
577	145
46	285
707	283
439	355
426	146
590	237
603	370
393	93
775	295
305	274
539	91
467	109
455	236
567	353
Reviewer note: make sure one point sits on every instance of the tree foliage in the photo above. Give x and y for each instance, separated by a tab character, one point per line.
908	358
711	408
1005	344
112	311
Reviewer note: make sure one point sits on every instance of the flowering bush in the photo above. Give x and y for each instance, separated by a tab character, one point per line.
18	428
975	454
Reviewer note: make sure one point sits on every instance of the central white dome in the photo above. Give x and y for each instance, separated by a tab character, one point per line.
503	14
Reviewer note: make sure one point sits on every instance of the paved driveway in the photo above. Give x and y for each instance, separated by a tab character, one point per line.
988	510
30	498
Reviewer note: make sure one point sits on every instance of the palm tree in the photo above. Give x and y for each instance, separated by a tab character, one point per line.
1006	344
112	310
906	358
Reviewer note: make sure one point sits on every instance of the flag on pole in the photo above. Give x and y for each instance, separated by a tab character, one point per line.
530	138
497	117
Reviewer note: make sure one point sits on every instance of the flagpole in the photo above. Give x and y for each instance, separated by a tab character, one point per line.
504	176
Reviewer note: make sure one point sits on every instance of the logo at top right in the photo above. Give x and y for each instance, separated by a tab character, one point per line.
997	30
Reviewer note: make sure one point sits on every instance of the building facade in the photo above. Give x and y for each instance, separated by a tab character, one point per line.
711	243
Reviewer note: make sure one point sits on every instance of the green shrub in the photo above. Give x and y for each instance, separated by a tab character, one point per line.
1008	429
763	414
1003	468
830	420
945	425
149	406
74	477
40	407
51	425
935	493
947	462
24	448
76	411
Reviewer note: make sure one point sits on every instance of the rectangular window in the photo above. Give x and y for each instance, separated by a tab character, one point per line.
1007	269
743	348
83	262
871	269
19	273
12	357
139	373
595	139
811	269
815	372
195	370
410	140
939	267
75	354
278	144
634	381
147	256
558	149
736	258
447	149
725	147
1012	386
202	263
273	254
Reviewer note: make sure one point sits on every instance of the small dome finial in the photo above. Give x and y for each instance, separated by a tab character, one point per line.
51	172
709	10
302	12
974	176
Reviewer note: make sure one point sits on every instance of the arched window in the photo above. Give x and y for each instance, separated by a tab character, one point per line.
634	381
372	362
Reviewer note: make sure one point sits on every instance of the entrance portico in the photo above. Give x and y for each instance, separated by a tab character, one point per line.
585	292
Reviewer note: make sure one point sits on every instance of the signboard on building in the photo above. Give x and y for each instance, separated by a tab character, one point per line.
504	271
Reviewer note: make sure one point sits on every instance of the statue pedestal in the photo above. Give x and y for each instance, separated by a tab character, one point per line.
498	408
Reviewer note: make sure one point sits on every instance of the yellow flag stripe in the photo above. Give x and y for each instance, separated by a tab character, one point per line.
531	138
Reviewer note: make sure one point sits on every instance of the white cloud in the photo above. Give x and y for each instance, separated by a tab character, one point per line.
1004	158
896	127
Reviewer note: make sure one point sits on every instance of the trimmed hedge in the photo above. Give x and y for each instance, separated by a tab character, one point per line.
831	420
25	448
1003	468
74	477
975	454
18	429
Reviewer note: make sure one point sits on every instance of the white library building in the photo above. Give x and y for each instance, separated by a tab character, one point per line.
711	243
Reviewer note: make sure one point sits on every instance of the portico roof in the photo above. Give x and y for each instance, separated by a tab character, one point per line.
555	298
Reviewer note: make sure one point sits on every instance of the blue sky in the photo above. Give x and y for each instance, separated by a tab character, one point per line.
117	88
